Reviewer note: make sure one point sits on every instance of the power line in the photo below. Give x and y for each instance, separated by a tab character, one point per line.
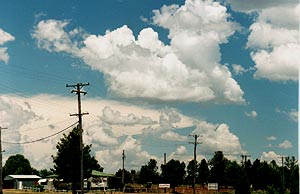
36	128
43	138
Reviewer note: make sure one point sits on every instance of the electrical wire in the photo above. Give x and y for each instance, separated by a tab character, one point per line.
36	128
43	138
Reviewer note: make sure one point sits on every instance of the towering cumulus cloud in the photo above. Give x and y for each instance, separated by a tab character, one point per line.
188	69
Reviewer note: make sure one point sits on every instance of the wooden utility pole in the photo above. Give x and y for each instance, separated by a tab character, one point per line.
195	161
282	176
123	169
244	158
1	182
77	89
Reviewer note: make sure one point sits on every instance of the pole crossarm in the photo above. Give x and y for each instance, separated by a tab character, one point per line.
76	114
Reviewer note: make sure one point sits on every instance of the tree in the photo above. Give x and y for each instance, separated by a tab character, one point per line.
191	170
148	173
45	173
218	165
235	176
18	165
67	160
291	175
203	173
173	172
265	176
127	176
116	181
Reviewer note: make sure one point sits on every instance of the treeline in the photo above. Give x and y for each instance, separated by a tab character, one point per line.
245	177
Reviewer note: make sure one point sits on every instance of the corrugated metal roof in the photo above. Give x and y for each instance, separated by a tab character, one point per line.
101	174
11	177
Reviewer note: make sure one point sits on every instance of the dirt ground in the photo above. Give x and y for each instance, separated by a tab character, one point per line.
13	191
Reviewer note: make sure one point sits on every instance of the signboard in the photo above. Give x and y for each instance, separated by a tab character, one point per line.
164	185
212	186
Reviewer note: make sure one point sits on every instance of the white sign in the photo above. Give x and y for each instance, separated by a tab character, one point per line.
212	186
164	185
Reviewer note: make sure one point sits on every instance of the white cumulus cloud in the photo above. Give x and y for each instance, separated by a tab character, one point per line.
293	115
285	144
43	115
271	138
274	41
252	114
238	69
172	136
270	156
115	118
217	137
254	5
188	69
4	37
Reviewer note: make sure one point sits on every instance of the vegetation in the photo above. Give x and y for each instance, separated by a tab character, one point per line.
67	160
246	178
149	173
17	165
257	177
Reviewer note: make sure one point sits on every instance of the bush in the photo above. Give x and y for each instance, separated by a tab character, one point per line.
38	187
61	186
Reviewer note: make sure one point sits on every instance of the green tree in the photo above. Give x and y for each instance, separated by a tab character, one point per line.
127	176
148	173
67	160
291	175
265	176
255	175
218	166
18	165
203	173
45	173
235	176
116	181
173	172
191	169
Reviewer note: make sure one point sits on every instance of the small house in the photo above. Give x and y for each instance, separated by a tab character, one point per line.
20	181
98	180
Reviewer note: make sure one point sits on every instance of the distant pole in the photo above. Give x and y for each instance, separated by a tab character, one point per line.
77	89
123	169
195	156
282	164
1	183
165	162
244	158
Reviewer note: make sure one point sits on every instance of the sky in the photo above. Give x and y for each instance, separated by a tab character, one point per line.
159	72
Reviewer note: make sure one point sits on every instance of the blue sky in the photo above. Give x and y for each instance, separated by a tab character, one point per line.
158	72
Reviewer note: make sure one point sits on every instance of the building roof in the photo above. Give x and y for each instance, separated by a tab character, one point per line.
96	173
42	180
12	177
